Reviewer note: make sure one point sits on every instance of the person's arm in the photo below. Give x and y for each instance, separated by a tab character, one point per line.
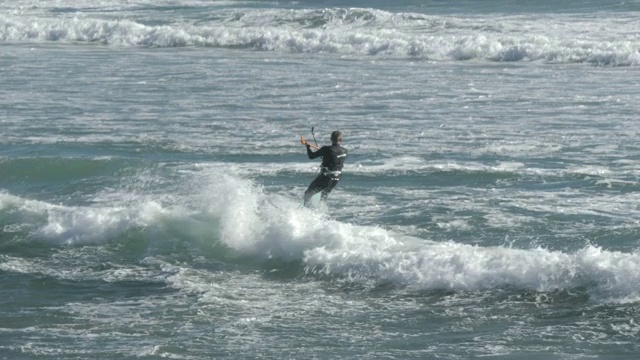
311	154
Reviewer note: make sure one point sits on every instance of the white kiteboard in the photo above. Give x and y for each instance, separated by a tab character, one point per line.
315	200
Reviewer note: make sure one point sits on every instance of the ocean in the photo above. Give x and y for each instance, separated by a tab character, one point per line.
151	179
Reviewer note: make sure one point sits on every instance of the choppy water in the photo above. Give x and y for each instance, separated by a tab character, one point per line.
151	180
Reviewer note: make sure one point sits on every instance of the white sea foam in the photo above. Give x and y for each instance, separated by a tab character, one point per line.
74	225
464	267
267	226
341	249
361	32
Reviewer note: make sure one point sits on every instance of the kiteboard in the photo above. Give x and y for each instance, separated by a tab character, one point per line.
315	200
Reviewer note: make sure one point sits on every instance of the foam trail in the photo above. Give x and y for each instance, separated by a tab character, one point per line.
250	222
254	223
364	253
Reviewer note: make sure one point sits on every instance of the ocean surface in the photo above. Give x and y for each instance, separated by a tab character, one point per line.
151	179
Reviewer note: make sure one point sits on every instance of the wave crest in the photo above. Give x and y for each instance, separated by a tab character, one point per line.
353	32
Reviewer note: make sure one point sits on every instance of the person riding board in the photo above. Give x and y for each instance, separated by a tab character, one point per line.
333	158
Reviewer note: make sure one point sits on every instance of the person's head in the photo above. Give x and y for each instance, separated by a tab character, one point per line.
336	137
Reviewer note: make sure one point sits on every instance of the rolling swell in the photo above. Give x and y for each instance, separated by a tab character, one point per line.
211	222
350	31
145	242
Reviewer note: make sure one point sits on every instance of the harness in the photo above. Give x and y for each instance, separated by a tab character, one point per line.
333	175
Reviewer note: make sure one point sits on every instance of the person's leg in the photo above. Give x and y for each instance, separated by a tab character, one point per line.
327	190
315	187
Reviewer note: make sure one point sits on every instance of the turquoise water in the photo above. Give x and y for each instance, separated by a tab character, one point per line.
151	178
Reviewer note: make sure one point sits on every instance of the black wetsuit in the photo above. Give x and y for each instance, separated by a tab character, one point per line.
332	161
